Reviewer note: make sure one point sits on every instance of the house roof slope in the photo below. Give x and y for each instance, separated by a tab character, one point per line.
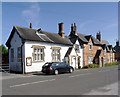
30	34
105	42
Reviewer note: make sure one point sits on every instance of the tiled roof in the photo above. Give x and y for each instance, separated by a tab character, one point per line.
82	37
68	52
41	36
105	42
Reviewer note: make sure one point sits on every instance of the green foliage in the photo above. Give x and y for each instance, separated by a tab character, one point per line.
91	66
3	49
111	64
96	66
85	67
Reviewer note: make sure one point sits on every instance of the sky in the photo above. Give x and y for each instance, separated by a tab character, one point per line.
90	17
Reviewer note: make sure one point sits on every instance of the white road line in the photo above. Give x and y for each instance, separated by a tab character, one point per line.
31	83
79	75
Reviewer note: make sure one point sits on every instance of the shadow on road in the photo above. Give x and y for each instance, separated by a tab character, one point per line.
43	74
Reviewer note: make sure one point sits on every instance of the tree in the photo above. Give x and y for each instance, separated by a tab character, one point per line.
3	49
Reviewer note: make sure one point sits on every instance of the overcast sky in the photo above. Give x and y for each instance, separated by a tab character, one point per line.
89	17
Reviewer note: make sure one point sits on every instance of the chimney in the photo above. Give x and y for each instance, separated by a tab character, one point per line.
117	43
72	28
98	36
31	25
75	29
61	32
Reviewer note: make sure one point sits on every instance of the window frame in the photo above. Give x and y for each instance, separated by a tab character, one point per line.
12	54
56	55
104	52
77	48
19	57
91	58
40	55
90	44
111	53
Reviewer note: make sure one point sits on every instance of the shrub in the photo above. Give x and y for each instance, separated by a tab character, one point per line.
85	67
95	66
91	66
111	64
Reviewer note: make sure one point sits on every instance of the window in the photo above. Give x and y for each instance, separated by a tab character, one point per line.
111	53
90	46
111	60
12	54
105	60
19	54
96	60
90	60
77	48
104	52
55	54
38	54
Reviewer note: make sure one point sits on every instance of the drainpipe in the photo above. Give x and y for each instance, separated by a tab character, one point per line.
22	63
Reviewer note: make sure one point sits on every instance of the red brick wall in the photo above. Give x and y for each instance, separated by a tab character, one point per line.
90	53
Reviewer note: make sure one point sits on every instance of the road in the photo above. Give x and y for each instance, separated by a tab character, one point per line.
101	81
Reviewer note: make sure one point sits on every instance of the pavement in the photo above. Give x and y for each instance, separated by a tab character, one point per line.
99	81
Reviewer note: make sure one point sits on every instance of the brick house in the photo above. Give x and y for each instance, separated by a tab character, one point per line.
95	50
109	52
117	49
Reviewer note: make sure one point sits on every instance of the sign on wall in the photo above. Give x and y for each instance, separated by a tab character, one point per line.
28	61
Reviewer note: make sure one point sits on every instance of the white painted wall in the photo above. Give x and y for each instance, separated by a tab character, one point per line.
38	66
80	54
15	43
73	53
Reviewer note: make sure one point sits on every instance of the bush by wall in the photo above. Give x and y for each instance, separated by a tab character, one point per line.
90	66
111	64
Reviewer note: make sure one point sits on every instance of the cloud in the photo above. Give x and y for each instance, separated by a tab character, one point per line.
32	14
82	25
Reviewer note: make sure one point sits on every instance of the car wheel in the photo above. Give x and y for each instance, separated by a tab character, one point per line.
71	70
56	72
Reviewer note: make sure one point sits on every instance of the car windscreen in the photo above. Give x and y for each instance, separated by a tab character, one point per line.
47	64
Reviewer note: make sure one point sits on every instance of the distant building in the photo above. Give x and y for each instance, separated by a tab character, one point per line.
117	49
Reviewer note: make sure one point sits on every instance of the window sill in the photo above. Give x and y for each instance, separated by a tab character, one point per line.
37	61
55	61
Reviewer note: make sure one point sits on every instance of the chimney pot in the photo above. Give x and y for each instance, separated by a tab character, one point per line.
98	36
30	25
61	32
75	29
72	28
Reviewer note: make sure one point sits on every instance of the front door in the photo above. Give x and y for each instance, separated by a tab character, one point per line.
102	62
73	62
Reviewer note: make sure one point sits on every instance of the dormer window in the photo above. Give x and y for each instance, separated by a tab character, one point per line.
111	53
77	48
90	46
43	37
104	52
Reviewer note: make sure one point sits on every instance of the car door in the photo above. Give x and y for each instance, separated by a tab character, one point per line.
66	67
61	67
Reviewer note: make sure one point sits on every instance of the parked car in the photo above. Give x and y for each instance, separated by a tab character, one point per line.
56	68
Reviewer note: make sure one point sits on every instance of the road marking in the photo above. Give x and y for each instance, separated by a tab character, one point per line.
31	83
79	75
